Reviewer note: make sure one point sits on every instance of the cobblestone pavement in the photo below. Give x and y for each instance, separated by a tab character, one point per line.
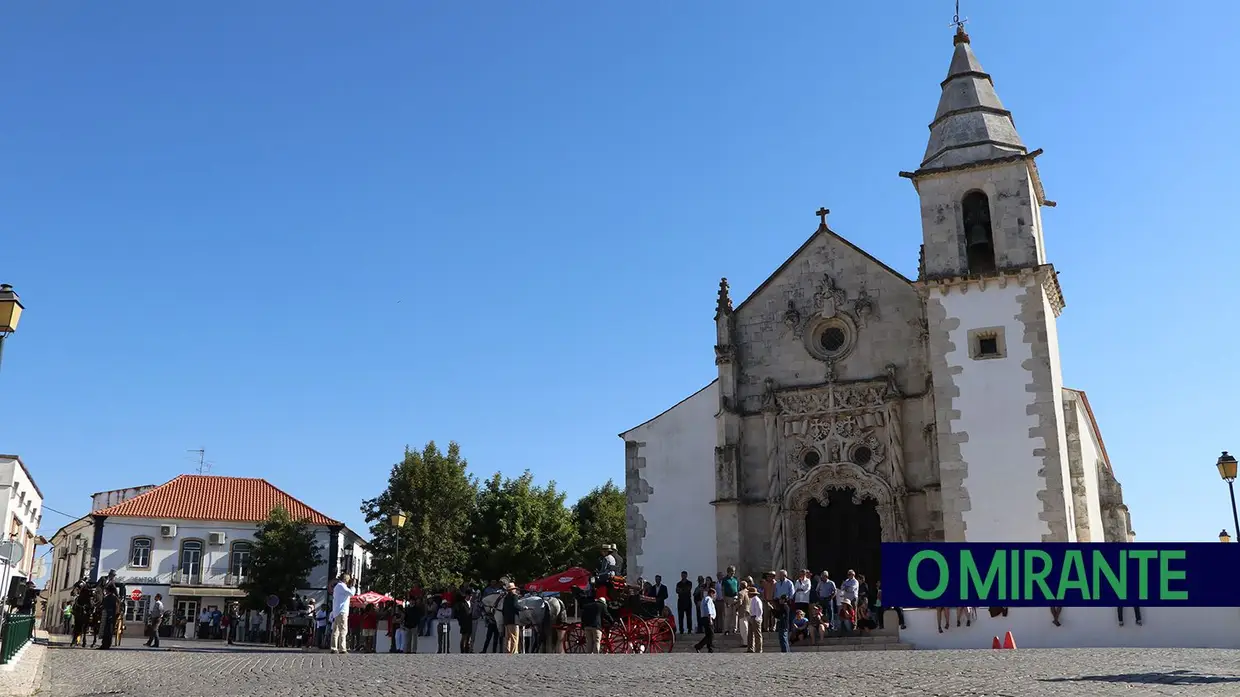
189	670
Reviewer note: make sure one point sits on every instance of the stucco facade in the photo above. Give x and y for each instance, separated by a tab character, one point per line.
670	480
194	563
21	511
936	405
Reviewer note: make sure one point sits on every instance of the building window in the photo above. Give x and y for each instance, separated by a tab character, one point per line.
140	553
979	237
239	559
191	560
831	339
987	343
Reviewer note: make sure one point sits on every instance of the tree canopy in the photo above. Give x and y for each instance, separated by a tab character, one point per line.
285	552
599	518
520	530
434	490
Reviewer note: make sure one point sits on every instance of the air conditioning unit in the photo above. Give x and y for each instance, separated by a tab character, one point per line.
216	538
167	531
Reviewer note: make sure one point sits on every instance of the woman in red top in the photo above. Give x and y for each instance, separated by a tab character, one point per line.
370	628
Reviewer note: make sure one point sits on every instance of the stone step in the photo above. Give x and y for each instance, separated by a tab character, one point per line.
770	641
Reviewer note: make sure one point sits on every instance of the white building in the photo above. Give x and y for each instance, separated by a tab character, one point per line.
190	540
72	558
21	510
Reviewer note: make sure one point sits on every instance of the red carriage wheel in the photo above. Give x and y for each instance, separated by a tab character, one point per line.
662	637
637	634
615	639
575	639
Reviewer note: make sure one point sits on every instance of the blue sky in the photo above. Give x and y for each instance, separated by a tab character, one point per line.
302	235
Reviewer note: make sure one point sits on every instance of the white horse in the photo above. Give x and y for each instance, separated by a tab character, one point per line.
534	611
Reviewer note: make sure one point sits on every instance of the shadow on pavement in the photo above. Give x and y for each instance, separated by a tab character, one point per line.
1174	677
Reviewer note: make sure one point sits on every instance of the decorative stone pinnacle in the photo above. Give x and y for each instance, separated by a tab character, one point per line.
961	37
724	305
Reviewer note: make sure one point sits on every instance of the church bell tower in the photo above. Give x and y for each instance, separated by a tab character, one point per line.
992	300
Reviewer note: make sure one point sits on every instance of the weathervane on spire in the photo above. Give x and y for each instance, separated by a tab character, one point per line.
959	22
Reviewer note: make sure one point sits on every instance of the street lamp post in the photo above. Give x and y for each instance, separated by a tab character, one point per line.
398	522
1227	470
10	313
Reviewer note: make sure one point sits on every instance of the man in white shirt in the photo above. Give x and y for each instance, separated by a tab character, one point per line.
708	622
756	608
848	589
341	595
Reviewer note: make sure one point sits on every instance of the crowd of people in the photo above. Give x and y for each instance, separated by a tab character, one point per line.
804	609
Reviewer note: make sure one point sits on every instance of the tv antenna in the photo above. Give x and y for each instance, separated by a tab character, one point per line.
204	467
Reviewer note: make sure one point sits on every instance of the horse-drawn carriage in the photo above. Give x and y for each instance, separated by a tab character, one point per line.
640	624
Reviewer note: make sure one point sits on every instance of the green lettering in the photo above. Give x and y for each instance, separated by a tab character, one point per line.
1119	584
1143	556
969	575
944	576
1074	565
1014	593
1037	577
1166	575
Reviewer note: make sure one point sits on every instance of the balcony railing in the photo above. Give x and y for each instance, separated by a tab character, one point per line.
229	580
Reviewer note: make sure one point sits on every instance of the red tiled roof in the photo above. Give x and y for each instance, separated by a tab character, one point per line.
208	497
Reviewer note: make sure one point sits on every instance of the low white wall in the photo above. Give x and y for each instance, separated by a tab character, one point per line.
1083	627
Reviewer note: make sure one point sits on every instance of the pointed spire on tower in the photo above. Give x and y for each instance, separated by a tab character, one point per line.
971	124
723	306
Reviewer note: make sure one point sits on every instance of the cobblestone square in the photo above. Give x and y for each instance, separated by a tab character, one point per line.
195	670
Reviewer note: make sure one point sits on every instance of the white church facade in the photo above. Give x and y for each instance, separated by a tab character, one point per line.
854	405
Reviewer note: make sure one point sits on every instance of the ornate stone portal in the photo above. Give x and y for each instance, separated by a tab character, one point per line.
837	436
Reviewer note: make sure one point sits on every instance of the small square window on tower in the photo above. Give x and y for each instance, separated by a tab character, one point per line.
987	343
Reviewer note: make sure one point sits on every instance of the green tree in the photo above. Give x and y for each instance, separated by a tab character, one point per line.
520	530
599	517
434	490
285	552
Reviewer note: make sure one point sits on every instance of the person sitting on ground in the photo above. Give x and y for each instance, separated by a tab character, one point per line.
848	617
800	627
817	624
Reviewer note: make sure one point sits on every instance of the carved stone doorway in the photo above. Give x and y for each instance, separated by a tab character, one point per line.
842	535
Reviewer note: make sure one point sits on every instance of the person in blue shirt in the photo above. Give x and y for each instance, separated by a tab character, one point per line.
216	616
783	586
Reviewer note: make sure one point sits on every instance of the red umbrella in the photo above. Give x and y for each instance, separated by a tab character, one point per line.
370	598
562	582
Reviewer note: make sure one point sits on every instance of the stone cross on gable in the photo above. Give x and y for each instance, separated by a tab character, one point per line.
822	215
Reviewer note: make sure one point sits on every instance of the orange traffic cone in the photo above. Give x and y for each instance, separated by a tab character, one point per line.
995	644
1009	642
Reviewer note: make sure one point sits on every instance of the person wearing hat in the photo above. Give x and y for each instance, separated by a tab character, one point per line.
509	610
607	566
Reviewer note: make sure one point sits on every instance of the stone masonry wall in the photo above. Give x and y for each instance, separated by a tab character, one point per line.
1015	220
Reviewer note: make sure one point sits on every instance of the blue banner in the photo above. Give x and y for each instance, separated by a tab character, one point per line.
969	574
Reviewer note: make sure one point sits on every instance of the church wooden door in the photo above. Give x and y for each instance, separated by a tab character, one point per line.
843	535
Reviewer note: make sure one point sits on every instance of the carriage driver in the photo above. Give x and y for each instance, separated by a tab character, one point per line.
607	566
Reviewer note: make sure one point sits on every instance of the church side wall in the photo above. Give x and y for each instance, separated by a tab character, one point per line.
670	480
987	421
1091	460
